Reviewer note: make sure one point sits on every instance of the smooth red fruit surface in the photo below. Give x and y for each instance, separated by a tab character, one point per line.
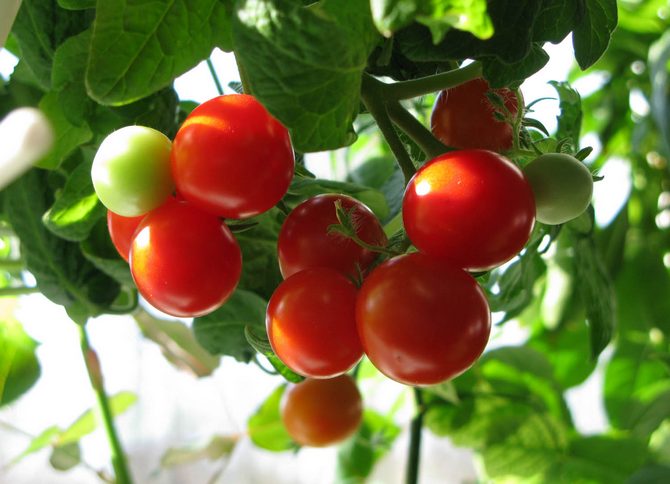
311	324
422	322
304	239
322	412
232	158
185	262
463	117
473	208
121	231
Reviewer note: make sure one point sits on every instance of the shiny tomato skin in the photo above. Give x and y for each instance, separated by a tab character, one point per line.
463	117
185	262
304	240
322	412
473	208
311	325
231	158
121	231
420	321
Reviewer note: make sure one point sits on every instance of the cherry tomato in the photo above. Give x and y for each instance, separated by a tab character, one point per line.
562	186
310	323
232	158
463	117
421	321
471	207
131	171
322	412
304	239
121	231
184	261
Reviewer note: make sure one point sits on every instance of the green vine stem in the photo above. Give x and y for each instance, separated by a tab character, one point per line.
413	128
243	76
429	84
415	440
215	77
95	375
17	291
376	105
12	265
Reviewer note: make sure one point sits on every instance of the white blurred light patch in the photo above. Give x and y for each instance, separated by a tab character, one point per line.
610	194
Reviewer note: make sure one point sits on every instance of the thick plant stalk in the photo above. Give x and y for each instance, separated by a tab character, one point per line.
414	453
95	375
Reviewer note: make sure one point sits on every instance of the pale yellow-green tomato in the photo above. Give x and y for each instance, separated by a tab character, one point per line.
562	186
131	170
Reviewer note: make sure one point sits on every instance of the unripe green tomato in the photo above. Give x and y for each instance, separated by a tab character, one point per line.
131	170
562	186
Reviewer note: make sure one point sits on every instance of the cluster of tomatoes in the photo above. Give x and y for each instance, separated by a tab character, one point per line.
230	159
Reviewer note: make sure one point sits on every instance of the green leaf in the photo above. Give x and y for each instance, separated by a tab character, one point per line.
178	344
556	20
570	119
260	342
592	34
40	27
357	456
19	368
659	55
653	474
45	439
140	46
501	74
468	15
77	4
77	208
87	423
216	449
62	273
64	458
318	50
222	332
265	426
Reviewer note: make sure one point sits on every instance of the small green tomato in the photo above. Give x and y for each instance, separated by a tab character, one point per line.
131	170
562	186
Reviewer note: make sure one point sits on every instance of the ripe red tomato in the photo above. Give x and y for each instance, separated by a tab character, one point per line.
121	231
322	412
311	325
232	158
471	207
304	240
184	261
463	117
420	321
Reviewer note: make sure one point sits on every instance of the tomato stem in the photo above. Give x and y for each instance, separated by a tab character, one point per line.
95	375
412	476
215	77
377	107
243	76
413	128
429	84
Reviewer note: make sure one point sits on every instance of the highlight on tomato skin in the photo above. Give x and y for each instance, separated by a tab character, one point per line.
311	324
305	241
322	412
421	321
232	158
463	117
473	208
185	262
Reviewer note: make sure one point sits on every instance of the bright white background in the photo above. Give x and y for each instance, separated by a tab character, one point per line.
175	409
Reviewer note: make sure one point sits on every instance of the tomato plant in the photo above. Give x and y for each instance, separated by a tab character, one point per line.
232	158
562	186
422	322
464	117
122	231
131	170
305	239
310	323
322	412
185	262
473	208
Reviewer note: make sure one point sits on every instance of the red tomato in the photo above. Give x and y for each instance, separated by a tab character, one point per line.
463	117
185	262
310	323
471	207
422	322
121	231
232	158
304	240
322	412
